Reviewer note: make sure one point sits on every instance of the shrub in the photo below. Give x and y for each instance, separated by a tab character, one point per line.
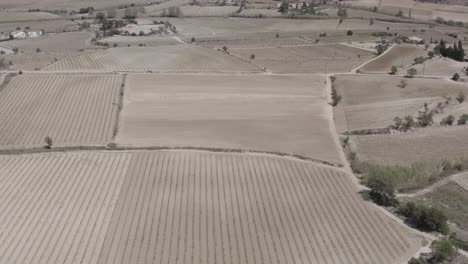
349	33
443	249
411	72
425	218
402	178
20	72
342	13
381	48
419	60
38	50
403	83
252	56
48	141
447	121
225	49
130	13
336	98
394	69
193	39
382	190
111	13
15	50
419	260
399	14
460	97
455	77
174	11
463	119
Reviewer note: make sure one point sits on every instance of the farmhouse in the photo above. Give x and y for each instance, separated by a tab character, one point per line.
415	40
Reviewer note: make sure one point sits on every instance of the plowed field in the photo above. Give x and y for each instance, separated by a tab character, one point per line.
71	109
171	58
188	207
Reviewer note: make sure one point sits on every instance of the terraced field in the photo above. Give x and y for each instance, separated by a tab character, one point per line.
400	56
71	109
188	207
170	58
306	59
429	145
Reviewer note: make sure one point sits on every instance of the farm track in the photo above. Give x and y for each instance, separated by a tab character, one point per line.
188	207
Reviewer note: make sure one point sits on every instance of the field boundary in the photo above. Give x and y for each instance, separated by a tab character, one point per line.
21	151
115	130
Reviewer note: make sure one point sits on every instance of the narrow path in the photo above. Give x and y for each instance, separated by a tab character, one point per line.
433	186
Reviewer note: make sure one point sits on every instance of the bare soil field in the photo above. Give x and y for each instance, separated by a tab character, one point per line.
25	16
187	28
49	26
25	5
259	12
381	114
255	43
62	42
190	207
33	60
124	41
208	11
359	89
422	145
71	109
373	101
306	59
170	58
400	56
440	66
262	113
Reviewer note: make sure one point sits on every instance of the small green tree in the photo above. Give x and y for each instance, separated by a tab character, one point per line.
447	121
100	16
111	13
342	12
419	260
403	83
382	190
419	60
455	77
463	119
48	141
411	72
283	8
460	97
393	70
336	98
443	249
407	124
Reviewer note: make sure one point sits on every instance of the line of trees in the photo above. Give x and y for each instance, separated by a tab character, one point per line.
454	52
